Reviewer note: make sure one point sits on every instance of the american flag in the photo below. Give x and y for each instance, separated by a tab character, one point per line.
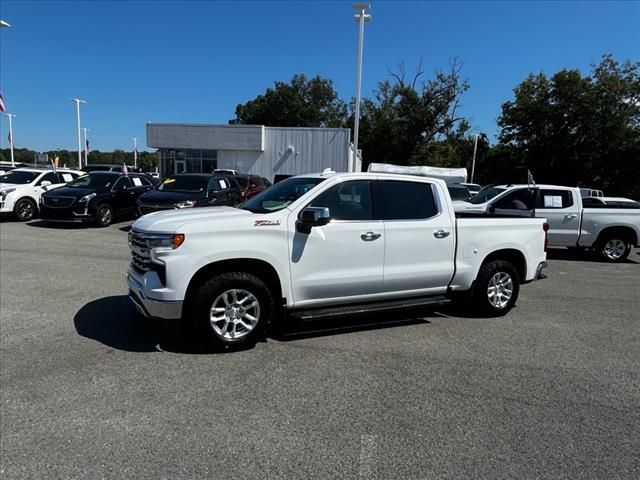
125	170
10	139
2	107
53	165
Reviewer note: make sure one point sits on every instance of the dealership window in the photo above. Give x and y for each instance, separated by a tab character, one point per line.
174	161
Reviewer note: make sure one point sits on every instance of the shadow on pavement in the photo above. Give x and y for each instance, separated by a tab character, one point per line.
115	322
297	330
584	255
54	225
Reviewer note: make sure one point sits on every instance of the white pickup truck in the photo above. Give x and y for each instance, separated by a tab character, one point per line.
327	244
611	232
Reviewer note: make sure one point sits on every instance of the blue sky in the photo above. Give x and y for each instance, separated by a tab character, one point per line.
170	61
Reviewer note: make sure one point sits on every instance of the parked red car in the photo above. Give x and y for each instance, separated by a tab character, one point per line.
251	185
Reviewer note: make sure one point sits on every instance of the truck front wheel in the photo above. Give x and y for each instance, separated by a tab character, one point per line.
233	309
497	287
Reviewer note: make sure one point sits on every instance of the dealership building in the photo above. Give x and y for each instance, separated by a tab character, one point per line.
255	149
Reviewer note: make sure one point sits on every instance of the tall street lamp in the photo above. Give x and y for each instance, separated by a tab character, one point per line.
86	148
78	102
361	17
135	152
10	116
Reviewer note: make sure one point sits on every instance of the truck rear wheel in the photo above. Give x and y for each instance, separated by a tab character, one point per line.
497	287
614	248
233	309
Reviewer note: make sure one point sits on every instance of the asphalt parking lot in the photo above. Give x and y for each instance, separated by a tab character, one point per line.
90	390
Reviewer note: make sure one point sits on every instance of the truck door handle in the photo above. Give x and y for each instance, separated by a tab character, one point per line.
570	215
441	234
370	236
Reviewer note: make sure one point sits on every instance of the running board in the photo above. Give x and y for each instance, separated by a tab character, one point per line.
362	308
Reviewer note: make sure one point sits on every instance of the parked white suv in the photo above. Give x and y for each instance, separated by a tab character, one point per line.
329	244
20	189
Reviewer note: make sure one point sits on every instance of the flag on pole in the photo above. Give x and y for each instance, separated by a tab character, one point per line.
10	139
53	164
530	181
2	107
87	144
125	170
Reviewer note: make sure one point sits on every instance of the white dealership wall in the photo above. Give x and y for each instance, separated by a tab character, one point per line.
260	150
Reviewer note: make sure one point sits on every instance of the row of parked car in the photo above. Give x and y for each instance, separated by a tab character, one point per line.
99	195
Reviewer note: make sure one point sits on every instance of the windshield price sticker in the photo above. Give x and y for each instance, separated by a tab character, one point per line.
222	183
67	177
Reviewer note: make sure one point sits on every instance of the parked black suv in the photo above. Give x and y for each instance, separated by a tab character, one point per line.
187	190
95	197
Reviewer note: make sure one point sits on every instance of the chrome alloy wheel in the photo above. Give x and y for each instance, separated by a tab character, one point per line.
614	249
234	314
105	215
500	289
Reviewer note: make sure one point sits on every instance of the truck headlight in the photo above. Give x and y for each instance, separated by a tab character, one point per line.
6	192
166	241
185	204
86	198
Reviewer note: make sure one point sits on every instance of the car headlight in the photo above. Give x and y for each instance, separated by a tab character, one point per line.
6	192
86	198
186	204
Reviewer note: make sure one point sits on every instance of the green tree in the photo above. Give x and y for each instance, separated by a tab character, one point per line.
570	129
406	119
301	103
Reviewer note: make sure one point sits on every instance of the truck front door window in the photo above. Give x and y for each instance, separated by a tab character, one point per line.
347	201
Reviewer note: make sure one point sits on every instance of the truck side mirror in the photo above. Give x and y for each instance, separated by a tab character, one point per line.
312	217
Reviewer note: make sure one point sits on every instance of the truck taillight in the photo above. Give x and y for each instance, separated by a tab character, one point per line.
545	227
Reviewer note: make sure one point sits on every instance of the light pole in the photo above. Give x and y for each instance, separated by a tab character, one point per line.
473	163
361	17
86	149
135	152
10	116
78	102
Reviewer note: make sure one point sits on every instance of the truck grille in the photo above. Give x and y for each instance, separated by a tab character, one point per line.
58	202
140	257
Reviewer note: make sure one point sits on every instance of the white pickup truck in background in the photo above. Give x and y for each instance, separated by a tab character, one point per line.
611	232
327	244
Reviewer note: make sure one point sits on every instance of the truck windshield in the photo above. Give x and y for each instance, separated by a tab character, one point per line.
486	195
184	183
18	177
281	195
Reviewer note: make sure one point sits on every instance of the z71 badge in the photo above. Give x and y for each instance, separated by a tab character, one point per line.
266	223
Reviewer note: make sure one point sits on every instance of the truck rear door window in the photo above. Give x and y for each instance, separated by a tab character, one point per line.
407	200
554	199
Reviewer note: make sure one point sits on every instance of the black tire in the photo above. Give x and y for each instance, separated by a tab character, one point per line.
25	209
614	248
104	215
235	320
496	280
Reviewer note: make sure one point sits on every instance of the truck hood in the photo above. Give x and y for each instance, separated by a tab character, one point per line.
168	221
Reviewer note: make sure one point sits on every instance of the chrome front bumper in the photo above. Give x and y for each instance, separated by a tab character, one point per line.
149	307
